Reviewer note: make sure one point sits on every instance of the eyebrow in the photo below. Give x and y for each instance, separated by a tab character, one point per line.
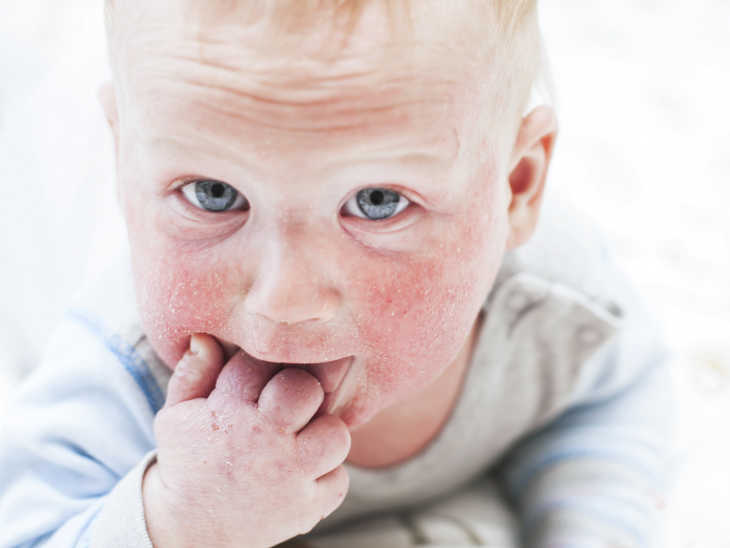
428	159
434	152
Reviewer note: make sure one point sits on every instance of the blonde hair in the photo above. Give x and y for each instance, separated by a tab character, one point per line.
510	13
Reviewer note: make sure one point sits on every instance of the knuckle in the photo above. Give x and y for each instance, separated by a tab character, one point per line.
221	400
345	438
338	435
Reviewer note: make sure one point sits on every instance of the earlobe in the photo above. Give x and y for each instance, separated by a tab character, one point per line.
530	161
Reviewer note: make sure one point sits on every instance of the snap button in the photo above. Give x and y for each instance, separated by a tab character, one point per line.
615	309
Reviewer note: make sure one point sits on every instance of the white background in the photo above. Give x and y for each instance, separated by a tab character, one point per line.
643	91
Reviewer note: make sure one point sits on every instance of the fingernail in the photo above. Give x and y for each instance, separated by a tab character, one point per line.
196	345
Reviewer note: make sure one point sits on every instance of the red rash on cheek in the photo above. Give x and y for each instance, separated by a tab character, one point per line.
177	298
416	315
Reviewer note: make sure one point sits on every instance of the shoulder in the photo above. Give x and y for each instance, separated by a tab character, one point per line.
94	369
565	295
569	250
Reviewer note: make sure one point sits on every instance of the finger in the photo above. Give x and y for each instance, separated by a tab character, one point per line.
291	398
195	374
323	445
333	489
242	379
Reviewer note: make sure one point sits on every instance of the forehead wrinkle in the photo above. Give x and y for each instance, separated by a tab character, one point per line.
341	102
242	53
229	62
238	49
308	93
334	117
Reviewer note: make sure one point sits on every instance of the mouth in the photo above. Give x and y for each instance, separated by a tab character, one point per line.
332	375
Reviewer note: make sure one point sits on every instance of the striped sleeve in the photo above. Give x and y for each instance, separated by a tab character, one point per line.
598	475
75	441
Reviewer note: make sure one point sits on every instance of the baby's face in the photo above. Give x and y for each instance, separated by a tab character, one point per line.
308	209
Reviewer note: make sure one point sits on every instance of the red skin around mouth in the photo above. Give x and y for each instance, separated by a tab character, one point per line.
329	374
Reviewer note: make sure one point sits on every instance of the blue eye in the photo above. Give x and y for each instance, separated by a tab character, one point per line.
377	204
214	196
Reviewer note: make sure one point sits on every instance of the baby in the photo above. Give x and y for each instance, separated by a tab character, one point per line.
337	303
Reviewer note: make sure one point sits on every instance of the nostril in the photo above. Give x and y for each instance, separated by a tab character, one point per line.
287	299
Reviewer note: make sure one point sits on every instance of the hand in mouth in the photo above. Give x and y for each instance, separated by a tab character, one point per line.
331	375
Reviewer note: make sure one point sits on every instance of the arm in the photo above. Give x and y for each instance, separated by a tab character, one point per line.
597	476
75	443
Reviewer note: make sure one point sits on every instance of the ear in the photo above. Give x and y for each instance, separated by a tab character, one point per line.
528	170
108	101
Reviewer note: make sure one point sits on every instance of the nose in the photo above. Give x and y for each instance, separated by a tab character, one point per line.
292	285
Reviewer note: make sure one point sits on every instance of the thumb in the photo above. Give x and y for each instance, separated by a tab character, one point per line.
196	373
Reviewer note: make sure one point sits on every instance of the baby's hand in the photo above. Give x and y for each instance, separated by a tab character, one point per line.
239	462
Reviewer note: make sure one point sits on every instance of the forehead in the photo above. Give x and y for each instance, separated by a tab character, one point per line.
241	73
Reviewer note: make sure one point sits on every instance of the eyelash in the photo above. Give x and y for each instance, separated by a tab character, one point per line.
189	191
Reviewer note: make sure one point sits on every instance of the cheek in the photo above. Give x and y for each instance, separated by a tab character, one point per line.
178	288
177	295
416	319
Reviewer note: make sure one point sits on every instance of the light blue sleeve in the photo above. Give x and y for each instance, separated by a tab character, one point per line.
79	424
598	475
